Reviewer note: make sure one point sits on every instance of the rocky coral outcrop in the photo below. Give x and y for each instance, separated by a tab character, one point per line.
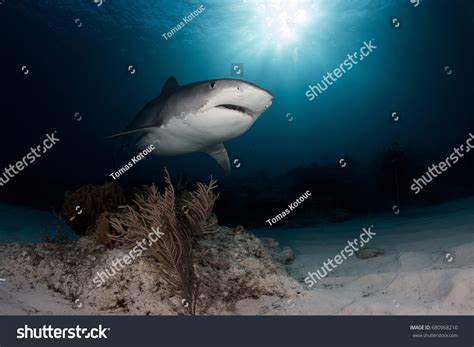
283	255
82	207
231	265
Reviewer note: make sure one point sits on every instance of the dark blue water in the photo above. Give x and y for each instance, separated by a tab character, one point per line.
79	55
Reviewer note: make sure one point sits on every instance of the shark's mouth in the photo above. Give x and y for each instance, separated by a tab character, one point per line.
237	108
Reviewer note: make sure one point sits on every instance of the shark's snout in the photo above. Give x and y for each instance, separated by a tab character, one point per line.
269	102
251	97
241	97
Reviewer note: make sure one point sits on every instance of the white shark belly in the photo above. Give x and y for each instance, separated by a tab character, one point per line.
194	133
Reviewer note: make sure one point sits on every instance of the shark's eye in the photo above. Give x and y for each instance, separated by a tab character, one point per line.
212	85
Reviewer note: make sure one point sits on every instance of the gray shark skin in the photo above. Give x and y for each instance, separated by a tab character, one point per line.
197	117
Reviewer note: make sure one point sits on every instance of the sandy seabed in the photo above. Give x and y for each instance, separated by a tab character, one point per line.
427	267
414	276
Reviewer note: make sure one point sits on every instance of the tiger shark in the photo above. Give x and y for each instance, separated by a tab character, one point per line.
197	117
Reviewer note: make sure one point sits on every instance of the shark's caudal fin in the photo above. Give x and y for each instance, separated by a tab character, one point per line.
219	153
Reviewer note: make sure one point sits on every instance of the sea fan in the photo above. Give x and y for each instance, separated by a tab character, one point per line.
196	207
173	250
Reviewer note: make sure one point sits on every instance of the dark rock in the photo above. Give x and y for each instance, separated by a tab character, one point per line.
239	230
269	242
283	255
370	252
286	256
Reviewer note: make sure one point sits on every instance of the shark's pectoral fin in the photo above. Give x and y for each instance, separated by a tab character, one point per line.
219	153
130	132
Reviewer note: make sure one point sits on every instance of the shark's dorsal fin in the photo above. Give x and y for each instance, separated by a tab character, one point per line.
170	86
219	153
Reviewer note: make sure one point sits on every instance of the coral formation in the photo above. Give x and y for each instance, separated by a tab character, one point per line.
232	265
195	261
103	230
82	207
283	255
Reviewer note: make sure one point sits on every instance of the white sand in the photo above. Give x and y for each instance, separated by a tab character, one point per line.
412	278
37	301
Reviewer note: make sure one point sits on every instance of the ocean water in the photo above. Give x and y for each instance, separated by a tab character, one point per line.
85	68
